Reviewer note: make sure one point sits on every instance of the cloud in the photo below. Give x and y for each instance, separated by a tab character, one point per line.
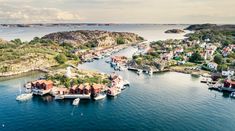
29	14
117	11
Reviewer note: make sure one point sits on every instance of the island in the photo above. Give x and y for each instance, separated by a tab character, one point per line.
175	31
60	50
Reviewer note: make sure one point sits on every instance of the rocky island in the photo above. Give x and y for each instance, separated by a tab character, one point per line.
58	49
175	31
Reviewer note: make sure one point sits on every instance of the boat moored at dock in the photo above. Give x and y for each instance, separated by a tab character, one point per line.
24	97
76	102
100	96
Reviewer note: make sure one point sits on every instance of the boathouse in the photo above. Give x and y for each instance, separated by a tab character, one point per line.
42	84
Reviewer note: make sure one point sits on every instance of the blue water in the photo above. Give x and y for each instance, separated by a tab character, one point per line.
164	101
150	32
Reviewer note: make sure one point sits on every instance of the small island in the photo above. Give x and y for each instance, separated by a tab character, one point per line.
175	31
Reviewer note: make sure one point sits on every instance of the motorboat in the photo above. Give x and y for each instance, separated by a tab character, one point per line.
126	83
123	87
24	97
139	71
59	97
81	96
100	96
76	101
28	87
107	61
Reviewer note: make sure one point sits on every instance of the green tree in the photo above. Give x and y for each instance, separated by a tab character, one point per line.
196	57
218	59
17	41
222	67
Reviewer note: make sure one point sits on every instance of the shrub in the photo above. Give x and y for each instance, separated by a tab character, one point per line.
120	41
61	58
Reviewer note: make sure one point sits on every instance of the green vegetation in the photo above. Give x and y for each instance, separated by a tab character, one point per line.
120	41
19	56
61	58
218	59
81	78
224	37
196	58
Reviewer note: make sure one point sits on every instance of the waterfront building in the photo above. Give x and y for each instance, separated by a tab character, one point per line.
41	87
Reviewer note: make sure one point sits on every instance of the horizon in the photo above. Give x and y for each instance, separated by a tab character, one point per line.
104	23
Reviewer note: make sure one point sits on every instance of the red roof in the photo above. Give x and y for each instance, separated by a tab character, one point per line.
231	82
81	87
47	82
97	86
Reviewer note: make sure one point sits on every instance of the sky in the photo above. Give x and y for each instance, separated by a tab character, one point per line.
118	11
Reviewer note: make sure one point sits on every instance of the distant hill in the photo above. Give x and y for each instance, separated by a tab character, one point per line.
211	27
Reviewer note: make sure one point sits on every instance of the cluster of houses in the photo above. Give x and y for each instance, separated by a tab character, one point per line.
82	91
96	53
228	49
179	51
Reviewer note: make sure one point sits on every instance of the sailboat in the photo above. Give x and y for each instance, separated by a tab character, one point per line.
24	97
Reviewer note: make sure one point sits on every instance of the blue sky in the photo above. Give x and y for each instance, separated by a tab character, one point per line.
118	11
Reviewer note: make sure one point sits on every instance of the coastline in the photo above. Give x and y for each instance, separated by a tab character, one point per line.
53	66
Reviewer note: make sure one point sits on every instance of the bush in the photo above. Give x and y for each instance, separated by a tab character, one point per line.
120	41
61	58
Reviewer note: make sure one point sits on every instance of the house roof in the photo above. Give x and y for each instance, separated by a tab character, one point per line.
74	87
47	82
231	82
62	89
80	87
87	87
97	86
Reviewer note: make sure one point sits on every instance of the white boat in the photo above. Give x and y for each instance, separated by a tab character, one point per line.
76	101
139	71
122	68
59	97
81	96
28	87
24	97
126	83
107	61
100	96
123	87
150	72
232	94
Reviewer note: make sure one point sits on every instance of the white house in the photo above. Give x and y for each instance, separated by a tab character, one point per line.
228	73
212	65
